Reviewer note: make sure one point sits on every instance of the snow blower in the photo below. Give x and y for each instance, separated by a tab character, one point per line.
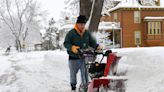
104	76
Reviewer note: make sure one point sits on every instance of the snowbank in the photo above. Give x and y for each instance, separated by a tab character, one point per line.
47	71
144	68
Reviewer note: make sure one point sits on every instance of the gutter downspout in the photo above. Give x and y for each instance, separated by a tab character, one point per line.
121	26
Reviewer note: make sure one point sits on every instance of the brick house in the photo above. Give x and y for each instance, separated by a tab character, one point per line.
141	25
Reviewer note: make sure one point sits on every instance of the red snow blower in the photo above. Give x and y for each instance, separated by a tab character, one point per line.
104	76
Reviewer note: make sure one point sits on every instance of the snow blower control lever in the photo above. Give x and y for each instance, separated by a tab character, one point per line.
90	52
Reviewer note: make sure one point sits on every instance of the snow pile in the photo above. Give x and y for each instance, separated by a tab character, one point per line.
34	72
144	68
47	71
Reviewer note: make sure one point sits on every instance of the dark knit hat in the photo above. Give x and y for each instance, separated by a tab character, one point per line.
81	19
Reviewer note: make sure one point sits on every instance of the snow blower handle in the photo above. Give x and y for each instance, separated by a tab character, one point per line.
89	53
85	52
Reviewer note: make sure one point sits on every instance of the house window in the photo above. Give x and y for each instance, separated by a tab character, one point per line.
115	17
137	17
137	37
154	28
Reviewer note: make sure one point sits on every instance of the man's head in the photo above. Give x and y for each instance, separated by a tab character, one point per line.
81	21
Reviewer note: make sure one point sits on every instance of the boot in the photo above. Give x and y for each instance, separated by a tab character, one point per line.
73	87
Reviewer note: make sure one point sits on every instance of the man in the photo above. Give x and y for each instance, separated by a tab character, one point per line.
7	52
78	38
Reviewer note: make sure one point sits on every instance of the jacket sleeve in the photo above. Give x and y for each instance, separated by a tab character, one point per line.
67	41
92	41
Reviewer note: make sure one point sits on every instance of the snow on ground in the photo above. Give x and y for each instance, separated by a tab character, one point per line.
47	71
144	68
34	72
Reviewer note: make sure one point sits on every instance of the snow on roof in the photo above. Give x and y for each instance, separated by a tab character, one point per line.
109	26
162	3
67	26
116	0
102	26
126	3
132	4
153	18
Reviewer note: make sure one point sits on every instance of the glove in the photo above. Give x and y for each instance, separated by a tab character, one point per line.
74	49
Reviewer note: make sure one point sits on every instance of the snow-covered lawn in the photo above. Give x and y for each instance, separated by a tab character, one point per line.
47	71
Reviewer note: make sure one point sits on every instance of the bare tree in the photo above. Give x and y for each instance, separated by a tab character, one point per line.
85	7
18	15
95	15
91	9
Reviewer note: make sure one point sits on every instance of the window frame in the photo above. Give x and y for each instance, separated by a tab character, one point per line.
115	17
137	37
137	17
154	28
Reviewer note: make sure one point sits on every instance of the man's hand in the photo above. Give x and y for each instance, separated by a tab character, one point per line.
74	49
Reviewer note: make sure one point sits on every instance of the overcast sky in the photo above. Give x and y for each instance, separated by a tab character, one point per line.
54	7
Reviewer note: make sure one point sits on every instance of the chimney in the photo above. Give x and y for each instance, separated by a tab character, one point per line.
157	2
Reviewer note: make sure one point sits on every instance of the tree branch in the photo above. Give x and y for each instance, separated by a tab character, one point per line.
12	30
8	10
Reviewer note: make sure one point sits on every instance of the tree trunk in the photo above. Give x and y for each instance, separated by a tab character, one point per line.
92	12
18	45
85	7
96	15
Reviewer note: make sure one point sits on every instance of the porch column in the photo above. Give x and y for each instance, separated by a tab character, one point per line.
113	35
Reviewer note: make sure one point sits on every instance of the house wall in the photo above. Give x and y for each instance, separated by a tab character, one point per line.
156	40
126	18
129	27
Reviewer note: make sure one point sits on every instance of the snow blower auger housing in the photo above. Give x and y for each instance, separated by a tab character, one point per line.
104	77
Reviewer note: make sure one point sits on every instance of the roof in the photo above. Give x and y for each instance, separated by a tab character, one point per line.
102	26
67	26
153	18
109	26
133	4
